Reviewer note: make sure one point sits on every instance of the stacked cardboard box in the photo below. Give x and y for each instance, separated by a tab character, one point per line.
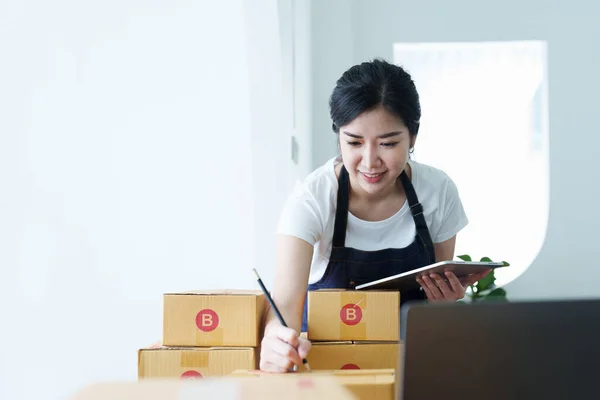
205	333
352	329
287	386
371	384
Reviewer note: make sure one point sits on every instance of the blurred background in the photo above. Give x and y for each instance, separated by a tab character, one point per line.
148	147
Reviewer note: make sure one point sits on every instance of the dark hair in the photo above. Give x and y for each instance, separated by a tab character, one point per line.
370	84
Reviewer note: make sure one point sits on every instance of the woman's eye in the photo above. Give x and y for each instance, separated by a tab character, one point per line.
388	144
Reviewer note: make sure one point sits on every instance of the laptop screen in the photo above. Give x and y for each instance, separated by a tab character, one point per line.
517	350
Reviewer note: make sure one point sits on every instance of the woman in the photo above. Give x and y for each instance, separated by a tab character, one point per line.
367	214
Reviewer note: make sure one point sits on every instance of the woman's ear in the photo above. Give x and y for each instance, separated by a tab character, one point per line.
413	140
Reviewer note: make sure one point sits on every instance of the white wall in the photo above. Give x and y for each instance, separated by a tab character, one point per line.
565	267
302	83
268	44
137	156
332	42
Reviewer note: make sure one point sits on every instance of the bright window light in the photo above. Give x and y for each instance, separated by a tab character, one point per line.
485	122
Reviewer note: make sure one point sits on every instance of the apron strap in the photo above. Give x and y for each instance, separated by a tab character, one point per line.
416	209
341	210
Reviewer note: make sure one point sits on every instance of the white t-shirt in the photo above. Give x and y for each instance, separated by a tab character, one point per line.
309	214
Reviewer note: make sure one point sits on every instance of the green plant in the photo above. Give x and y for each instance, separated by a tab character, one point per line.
485	289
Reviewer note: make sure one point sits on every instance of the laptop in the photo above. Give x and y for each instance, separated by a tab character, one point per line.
502	350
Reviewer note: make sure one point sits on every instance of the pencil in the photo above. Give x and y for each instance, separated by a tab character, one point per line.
272	303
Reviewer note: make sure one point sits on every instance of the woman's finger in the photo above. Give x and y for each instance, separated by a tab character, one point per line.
443	287
286	351
268	366
471	279
435	291
456	284
280	361
425	289
484	274
304	348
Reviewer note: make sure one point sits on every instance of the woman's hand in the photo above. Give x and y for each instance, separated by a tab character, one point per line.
450	289
281	349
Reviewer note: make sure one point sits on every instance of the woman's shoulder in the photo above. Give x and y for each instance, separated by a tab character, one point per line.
433	184
427	176
322	182
307	211
441	201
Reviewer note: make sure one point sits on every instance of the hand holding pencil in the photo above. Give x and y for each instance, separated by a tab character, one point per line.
281	348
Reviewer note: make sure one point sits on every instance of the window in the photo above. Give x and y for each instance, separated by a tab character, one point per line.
485	122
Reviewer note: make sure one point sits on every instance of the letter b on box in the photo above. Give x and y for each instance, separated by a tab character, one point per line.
207	320
338	314
351	314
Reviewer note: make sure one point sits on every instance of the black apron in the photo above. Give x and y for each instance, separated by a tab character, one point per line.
349	267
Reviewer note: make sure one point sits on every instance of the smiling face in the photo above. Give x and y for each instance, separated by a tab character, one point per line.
375	147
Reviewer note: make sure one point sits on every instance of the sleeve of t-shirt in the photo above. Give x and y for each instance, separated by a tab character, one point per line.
301	216
453	218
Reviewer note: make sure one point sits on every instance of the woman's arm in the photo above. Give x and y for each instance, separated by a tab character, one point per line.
292	267
282	347
444	251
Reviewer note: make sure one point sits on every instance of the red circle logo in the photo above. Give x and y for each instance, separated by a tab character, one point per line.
191	375
351	314
305	383
207	320
350	366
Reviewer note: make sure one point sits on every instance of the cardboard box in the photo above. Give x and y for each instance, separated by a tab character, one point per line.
354	355
213	318
353	315
376	384
194	362
222	388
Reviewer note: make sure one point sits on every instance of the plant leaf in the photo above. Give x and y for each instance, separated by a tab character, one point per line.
486	259
505	263
495	295
486	282
465	257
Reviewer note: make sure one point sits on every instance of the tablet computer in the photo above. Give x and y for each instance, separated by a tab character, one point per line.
408	280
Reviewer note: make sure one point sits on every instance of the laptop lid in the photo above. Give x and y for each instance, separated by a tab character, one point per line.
517	350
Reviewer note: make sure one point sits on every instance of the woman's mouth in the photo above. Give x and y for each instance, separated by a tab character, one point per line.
372	178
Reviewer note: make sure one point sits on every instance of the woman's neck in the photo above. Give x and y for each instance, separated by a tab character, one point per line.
357	193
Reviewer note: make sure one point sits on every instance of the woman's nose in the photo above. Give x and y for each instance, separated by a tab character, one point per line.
370	157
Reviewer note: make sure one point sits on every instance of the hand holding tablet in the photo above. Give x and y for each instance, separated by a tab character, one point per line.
447	286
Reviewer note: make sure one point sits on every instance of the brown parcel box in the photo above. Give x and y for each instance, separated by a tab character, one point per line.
213	318
193	362
354	355
221	388
377	384
335	314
